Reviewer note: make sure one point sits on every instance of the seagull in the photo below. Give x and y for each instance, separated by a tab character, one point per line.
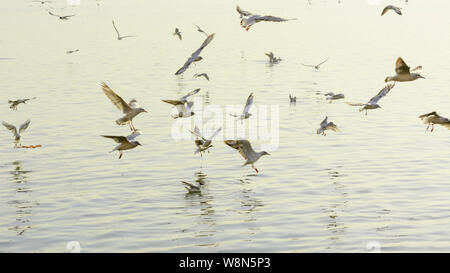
325	125
118	35
62	17
316	66
245	114
245	149
201	75
183	99
17	135
272	58
387	8
200	30
195	57
292	99
372	104
202	143
183	107
403	73
72	51
126	143
191	188
249	19
433	118
43	2
331	96
130	109
178	33
15	103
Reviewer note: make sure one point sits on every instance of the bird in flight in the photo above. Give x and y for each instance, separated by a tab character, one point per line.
203	144
272	58
72	51
17	133
178	33
42	2
201	75
390	7
246	151
325	125
433	118
316	66
373	103
245	114
331	96
130	109
292	99
125	143
200	30
249	19
62	17
118	35
15	103
403	72
183	107
195	57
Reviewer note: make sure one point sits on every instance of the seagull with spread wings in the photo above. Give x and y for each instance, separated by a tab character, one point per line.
391	7
325	125
246	151
62	17
15	103
245	114
130	109
200	30
373	103
17	133
331	96
178	33
272	58
203	144
118	35
433	118
403	72
183	107
249	19
195	57
316	66
201	75
125	143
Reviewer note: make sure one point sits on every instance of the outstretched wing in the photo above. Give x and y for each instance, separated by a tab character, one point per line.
173	102
118	139
417	69
10	127
215	133
383	92
116	99
133	135
114	25
204	44
248	104
401	67
133	103
324	123
193	92
270	18
24	126
242	12
323	61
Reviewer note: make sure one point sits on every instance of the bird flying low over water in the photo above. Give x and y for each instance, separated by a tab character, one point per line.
272	58
372	104
316	66
200	30
246	151
202	143
325	125
125	143
17	133
183	107
245	114
249	19
331	96
433	118
292	99
62	17
72	51
201	75
178	33
391	7
403	73
195	57
118	35
130	109
15	103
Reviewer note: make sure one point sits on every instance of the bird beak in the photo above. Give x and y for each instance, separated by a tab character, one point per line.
420	76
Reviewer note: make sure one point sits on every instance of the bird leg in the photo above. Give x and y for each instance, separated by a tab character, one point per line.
427	127
247	28
254	168
120	154
432	127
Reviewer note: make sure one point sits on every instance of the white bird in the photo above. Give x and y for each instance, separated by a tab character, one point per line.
390	7
403	73
292	99
201	75
372	104
272	58
245	114
331	96
202	143
15	103
118	35
249	19
245	149
192	188
125	143
433	118
178	33
17	133
183	107
316	66
325	125
200	30
62	17
195	57
130	109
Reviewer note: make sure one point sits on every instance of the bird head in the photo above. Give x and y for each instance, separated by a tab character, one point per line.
387	79
142	110
264	153
199	58
138	143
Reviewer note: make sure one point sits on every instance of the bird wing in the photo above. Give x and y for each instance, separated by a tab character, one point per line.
386	9
133	103
53	14
114	25
383	92
248	104
401	67
185	66
10	127
118	139
310	65
243	146
324	123
193	92
197	133
417	69
397	10
205	75
173	102
270	18
242	12
323	61
24	126
133	135
204	44
427	115
116	99
215	133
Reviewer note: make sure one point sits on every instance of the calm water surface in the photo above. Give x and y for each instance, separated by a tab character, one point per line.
382	179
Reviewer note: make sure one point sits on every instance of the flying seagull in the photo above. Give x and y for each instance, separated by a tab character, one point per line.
178	33
130	109
372	104
331	96
325	125
433	118
191	188
292	99
118	35
249	19
183	107
202	143
72	51
272	58
245	149
245	114
201	75
390	7
316	66
17	134
15	103
403	73
125	143
200	30
62	17
195	57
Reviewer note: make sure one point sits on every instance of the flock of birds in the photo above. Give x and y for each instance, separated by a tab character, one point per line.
183	108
